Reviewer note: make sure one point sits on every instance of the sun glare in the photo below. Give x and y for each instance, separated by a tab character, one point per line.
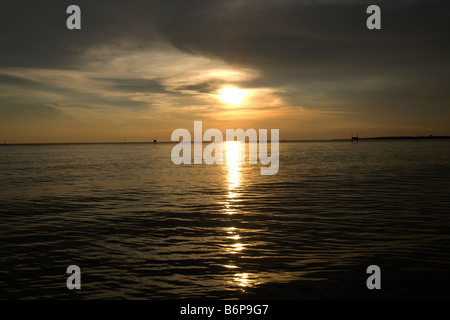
232	95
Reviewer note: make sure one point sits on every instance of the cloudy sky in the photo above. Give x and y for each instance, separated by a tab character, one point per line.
141	69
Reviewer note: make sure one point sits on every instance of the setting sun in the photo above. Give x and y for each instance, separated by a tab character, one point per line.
232	95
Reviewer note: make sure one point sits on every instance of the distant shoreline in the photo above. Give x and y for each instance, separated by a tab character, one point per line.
281	141
430	137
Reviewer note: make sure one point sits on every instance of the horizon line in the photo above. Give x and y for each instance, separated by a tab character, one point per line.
205	141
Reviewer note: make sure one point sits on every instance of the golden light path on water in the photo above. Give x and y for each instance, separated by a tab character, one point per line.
233	151
234	161
236	245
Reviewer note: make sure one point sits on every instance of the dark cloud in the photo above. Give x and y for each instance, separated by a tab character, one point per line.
6	79
45	94
202	87
311	38
21	83
34	33
134	85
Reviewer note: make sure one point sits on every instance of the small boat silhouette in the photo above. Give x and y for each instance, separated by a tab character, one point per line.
355	138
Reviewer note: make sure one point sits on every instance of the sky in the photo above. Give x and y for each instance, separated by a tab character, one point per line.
141	69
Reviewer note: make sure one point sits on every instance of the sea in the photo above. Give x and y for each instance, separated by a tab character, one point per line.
139	226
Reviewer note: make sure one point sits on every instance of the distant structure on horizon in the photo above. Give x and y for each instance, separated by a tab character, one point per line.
154	140
355	138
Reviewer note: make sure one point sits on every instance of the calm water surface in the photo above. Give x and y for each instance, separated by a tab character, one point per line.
141	227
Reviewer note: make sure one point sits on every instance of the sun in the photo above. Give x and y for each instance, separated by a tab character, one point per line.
232	95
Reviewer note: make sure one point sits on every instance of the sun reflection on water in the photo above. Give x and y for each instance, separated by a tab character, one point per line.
233	163
235	244
242	279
